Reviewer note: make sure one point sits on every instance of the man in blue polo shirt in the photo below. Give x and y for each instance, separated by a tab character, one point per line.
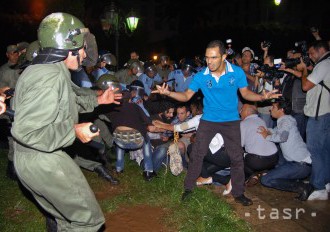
219	83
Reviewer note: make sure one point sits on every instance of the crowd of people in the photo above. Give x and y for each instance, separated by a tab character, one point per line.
223	119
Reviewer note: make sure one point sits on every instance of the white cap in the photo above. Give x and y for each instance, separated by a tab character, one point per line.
248	49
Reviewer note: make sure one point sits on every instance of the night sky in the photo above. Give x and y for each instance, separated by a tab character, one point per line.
178	28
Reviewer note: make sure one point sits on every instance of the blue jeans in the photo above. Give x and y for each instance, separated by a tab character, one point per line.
159	156
147	155
301	123
318	144
286	175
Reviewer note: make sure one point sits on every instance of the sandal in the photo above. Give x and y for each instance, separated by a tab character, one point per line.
228	189
204	181
252	181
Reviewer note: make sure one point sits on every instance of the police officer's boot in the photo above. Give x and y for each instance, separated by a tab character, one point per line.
11	173
104	173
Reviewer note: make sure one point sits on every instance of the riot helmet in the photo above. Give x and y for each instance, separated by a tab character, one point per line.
136	88
150	69
31	52
108	81
187	66
59	33
107	57
135	65
164	59
107	60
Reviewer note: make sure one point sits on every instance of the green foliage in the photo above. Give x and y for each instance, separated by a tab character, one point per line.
204	211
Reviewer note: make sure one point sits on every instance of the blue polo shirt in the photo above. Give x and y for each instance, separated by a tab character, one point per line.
220	98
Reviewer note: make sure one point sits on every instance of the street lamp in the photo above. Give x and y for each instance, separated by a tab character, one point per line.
277	2
113	23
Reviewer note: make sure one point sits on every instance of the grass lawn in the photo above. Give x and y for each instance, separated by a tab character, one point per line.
205	211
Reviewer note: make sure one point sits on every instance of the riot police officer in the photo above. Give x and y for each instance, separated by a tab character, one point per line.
46	121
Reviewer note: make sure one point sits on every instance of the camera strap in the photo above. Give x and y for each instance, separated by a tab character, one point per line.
323	85
323	58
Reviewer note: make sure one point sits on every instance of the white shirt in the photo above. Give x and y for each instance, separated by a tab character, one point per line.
321	72
192	124
252	141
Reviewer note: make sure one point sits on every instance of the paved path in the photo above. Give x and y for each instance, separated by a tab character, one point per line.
274	210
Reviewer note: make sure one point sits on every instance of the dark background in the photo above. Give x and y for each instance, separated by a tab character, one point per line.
177	28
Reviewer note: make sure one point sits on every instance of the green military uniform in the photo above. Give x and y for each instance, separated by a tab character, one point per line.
104	130
8	78
4	68
46	110
163	72
124	78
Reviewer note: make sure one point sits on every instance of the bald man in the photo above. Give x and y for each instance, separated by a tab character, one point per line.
261	154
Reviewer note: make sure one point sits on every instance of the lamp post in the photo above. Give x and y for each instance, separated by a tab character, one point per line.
113	23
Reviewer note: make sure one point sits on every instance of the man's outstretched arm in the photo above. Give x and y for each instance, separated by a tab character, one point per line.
179	96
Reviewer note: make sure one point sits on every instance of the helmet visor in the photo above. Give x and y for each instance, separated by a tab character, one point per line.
110	84
151	71
137	91
90	49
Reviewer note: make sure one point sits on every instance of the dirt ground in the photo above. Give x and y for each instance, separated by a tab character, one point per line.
138	218
131	218
272	211
278	211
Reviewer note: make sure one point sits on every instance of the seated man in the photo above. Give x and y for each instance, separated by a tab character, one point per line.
183	115
288	175
261	153
159	142
216	159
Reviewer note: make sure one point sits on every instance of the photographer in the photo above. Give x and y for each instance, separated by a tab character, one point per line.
265	47
298	96
267	79
317	109
249	68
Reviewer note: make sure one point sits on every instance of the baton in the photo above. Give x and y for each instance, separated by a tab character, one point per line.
99	146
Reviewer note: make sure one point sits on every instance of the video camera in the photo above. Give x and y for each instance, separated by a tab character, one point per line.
266	44
290	63
271	73
230	52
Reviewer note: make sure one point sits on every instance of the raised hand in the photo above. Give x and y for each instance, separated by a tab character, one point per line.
109	96
266	95
163	90
2	105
